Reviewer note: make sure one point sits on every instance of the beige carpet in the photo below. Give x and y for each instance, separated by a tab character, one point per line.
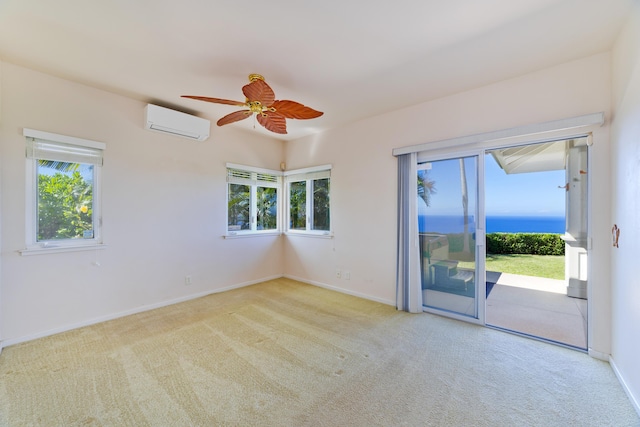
284	353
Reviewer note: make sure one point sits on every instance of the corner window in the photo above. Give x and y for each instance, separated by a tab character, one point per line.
252	200
63	179
308	206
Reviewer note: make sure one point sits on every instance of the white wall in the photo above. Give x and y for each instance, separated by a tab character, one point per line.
1	310
164	211
164	197
363	182
625	159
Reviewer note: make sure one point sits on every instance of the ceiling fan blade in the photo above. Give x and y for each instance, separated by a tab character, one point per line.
295	110
236	116
273	121
259	90
216	100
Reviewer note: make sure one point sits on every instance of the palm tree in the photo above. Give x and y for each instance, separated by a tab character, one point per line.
58	165
238	206
266	203
465	205
426	187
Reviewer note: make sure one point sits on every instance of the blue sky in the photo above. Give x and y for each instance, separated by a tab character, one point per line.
526	194
529	194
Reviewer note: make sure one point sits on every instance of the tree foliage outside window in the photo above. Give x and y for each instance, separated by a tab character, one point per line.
321	208
252	200
298	205
309	204
239	207
65	201
426	186
267	208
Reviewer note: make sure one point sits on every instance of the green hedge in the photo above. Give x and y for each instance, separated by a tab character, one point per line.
525	243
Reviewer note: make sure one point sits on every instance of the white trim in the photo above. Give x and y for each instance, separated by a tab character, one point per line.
54	248
253	169
253	182
481	235
341	290
580	122
524	140
141	309
309	179
31	200
634	401
310	176
599	355
310	233
31	203
435	156
249	233
63	138
308	170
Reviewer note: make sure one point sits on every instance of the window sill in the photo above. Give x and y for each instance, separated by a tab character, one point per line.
327	235
244	235
39	250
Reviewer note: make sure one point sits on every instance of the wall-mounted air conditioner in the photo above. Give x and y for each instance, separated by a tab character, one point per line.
174	122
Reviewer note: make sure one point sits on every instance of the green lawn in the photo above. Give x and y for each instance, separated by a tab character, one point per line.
549	266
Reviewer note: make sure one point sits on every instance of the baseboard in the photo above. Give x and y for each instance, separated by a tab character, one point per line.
341	290
143	308
599	355
625	387
54	331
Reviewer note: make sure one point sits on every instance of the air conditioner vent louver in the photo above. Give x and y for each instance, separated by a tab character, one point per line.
165	120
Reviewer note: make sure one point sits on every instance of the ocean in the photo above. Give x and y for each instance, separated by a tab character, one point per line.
495	224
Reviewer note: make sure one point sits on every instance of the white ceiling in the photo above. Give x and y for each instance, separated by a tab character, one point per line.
350	59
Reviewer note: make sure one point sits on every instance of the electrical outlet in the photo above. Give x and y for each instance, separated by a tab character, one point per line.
338	274
347	275
187	279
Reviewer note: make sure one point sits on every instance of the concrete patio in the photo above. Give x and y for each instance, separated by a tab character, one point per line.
536	306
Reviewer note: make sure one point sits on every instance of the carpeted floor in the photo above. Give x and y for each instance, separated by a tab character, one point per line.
283	353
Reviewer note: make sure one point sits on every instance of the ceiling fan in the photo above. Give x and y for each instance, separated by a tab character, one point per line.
261	100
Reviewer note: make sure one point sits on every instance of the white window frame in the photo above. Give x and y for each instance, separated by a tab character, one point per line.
308	175
94	151
253	179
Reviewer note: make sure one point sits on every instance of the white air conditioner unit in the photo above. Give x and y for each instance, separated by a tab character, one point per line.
174	122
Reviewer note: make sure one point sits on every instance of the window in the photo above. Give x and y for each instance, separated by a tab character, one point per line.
63	177
252	200
309	202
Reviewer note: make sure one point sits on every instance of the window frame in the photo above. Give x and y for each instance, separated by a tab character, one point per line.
253	181
32	193
307	175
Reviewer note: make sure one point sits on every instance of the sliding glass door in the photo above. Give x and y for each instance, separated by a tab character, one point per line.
448	229
459	199
536	197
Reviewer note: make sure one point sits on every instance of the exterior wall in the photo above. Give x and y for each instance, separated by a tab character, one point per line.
364	175
164	211
625	164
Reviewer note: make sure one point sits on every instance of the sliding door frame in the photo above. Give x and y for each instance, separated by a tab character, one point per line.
480	250
478	145
480	149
